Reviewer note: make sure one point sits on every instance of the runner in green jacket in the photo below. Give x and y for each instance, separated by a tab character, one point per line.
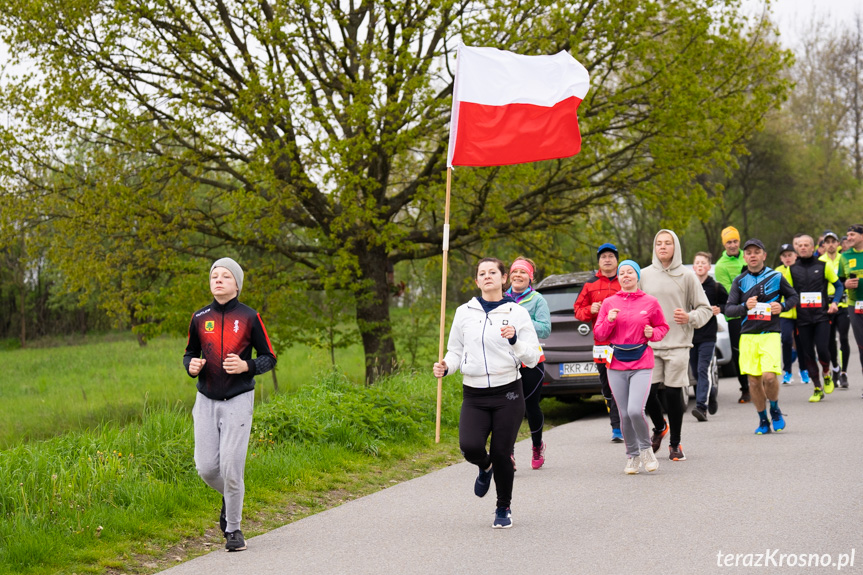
729	266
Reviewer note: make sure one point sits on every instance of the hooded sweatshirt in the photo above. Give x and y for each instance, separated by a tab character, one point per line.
476	347
636	310
675	287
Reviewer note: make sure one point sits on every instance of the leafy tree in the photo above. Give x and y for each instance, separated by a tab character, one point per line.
310	137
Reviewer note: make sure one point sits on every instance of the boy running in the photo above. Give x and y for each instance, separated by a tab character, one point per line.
219	353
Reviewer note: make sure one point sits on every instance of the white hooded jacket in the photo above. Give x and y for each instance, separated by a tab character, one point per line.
485	358
676	287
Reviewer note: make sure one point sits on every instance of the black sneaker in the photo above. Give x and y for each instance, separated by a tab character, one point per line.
712	404
223	519
699	414
235	541
744	397
843	380
483	482
676	453
656	437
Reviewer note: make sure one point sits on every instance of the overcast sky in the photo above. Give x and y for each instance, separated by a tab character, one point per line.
793	16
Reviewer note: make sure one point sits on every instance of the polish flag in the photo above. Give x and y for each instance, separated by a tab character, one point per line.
510	109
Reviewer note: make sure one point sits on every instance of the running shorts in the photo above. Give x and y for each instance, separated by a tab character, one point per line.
760	352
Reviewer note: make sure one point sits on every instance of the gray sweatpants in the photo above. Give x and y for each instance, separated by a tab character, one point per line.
222	429
630	389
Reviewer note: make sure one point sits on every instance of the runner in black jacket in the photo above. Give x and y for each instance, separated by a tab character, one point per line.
219	354
810	277
704	339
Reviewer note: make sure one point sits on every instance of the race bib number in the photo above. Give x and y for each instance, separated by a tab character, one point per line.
602	353
810	299
858	307
761	312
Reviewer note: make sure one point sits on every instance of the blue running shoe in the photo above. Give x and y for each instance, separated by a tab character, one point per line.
804	376
616	436
483	482
778	420
764	428
786	377
502	518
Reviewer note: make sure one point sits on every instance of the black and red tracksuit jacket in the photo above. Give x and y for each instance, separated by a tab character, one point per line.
596	289
217	330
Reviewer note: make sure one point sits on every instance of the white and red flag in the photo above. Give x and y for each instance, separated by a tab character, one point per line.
510	109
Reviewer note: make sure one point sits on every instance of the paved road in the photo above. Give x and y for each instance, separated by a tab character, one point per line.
797	492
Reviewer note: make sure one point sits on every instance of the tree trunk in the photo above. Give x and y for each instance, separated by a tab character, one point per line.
373	314
23	334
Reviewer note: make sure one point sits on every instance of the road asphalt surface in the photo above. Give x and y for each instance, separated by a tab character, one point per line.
737	502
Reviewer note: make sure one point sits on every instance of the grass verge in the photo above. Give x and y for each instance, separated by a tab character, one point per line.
114	499
49	391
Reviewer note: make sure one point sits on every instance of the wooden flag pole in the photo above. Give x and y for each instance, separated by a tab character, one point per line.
443	301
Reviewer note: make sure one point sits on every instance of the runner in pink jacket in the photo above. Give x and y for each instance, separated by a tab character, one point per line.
637	309
629	319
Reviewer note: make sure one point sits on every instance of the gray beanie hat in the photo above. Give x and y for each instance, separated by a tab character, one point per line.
232	267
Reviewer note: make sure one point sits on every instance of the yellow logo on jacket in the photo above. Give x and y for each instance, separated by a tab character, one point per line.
209	325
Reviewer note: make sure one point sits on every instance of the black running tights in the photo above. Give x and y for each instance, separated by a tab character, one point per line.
840	323
673	399
531	380
814	337
495	411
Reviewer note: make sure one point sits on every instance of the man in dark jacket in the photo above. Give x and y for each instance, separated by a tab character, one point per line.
704	339
810	277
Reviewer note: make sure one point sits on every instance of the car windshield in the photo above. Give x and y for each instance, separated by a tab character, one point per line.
561	301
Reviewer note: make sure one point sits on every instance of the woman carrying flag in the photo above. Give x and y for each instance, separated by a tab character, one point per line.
490	338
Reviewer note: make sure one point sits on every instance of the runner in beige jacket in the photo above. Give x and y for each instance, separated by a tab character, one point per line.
686	308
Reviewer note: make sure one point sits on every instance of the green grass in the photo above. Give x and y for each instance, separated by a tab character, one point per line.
117	497
48	391
98	475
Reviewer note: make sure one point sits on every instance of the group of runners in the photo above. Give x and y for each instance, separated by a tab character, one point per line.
651	327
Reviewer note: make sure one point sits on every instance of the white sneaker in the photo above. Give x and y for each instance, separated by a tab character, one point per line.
632	465
649	459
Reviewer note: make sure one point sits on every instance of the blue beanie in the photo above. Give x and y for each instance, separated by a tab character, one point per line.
607	248
631	264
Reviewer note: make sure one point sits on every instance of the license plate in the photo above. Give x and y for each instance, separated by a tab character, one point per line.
579	369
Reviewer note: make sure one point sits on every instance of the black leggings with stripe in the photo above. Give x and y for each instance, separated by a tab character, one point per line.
495	411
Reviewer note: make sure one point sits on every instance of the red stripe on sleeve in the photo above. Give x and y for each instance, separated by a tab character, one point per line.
266	336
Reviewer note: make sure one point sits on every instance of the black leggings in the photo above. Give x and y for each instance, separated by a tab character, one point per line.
672	397
734	335
613	414
840	323
814	337
857	327
531	380
497	411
